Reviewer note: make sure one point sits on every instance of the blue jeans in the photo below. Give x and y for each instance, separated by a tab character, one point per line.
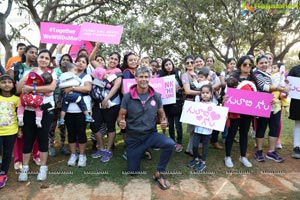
135	149
72	98
204	140
175	119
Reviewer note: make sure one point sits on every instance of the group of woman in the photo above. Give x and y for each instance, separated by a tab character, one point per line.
247	75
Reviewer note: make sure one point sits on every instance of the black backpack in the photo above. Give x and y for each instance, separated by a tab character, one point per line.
18	70
2	70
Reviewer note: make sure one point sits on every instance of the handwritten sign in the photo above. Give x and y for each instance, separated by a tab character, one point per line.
55	33
205	115
249	103
170	90
157	84
107	34
294	82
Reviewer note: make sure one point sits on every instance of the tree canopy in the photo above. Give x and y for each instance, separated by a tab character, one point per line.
175	28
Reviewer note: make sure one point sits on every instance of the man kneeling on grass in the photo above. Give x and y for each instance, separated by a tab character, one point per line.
138	116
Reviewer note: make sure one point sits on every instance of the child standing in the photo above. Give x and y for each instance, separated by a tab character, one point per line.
201	133
8	123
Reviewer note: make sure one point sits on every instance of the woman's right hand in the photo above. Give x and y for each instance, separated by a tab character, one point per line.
98	44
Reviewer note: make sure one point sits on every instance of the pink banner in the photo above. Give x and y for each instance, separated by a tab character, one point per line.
157	83
54	33
249	103
107	34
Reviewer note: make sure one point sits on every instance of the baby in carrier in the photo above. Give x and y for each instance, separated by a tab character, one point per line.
70	79
34	100
102	85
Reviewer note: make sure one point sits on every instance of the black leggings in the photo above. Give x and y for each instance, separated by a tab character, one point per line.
30	131
7	142
242	125
273	122
76	127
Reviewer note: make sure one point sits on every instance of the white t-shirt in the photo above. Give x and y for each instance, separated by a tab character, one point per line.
73	107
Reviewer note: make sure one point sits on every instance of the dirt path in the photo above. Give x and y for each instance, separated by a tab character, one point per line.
264	186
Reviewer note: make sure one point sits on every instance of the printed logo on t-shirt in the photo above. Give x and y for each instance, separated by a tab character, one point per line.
6	113
153	103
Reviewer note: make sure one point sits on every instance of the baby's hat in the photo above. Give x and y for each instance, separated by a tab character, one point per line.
98	73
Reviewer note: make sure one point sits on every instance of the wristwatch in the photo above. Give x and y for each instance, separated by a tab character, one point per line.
34	89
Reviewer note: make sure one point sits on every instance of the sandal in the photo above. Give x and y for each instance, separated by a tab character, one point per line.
159	178
148	155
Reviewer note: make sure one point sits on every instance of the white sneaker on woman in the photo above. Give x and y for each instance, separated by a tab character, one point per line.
23	176
72	160
42	175
82	160
228	162
245	161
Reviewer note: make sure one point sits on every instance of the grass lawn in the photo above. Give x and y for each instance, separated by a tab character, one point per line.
95	171
113	171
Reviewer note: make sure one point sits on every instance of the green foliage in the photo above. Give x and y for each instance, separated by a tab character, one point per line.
175	28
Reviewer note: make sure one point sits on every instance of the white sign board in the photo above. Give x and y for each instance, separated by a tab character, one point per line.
170	87
294	82
207	115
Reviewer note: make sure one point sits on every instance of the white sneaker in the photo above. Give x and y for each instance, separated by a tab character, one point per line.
23	176
82	160
72	160
228	162
245	162
42	175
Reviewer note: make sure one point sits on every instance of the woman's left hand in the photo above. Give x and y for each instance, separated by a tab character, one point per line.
67	90
104	104
27	89
286	89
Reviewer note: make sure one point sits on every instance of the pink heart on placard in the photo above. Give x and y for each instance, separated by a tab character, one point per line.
199	117
214	116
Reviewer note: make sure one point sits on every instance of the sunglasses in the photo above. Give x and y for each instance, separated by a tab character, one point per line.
187	63
245	64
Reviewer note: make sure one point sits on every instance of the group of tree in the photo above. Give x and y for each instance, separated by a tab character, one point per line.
175	28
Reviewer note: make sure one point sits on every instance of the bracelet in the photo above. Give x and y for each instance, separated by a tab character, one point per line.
73	88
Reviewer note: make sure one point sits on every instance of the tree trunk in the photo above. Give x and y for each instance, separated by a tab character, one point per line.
3	38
